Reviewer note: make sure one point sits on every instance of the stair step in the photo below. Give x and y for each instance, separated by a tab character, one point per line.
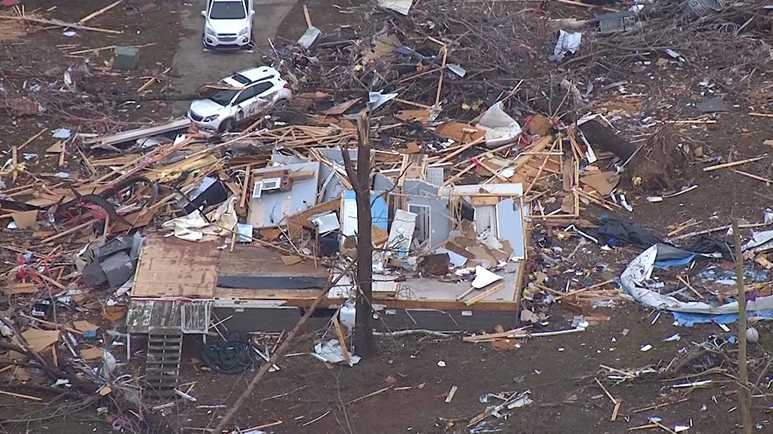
162	365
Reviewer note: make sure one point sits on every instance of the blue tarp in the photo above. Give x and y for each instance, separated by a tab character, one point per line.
690	319
378	209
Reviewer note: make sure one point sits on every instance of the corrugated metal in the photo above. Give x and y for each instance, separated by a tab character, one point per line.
192	316
195	316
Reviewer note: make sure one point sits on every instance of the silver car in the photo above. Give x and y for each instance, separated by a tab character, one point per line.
240	97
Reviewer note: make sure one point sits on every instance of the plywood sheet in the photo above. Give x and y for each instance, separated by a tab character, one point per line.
169	267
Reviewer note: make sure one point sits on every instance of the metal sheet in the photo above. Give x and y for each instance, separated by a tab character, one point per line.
195	316
189	316
510	226
271	208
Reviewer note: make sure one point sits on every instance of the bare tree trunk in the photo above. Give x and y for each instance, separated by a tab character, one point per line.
364	342
743	394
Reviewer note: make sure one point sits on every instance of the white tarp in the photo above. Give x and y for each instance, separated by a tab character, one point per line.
759	239
500	128
484	278
635	281
331	352
567	43
399	6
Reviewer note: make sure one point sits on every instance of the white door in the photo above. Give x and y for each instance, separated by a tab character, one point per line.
244	103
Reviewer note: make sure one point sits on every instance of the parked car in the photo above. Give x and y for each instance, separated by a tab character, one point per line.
242	96
228	24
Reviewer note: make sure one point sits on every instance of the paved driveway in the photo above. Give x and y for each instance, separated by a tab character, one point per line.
197	66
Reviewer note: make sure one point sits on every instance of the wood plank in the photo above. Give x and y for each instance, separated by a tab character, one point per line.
479	297
169	267
139	133
58	23
538	146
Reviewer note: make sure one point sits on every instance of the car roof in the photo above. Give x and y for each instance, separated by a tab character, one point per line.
258	74
251	76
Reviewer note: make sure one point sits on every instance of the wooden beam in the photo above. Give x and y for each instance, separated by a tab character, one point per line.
482	295
99	12
732	164
59	23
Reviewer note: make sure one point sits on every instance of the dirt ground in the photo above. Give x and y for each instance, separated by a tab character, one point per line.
559	372
307	396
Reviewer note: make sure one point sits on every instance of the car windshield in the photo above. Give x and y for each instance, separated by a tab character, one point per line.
223	96
228	10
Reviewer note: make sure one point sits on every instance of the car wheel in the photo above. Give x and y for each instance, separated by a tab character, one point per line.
227	126
250	45
280	106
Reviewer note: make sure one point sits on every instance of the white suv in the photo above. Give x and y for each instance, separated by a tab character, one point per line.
244	95
227	24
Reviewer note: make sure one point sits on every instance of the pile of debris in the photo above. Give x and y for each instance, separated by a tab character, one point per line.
192	232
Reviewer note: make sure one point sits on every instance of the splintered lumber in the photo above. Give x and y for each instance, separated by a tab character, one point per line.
150	82
577	291
732	164
615	402
31	139
451	394
371	394
721	228
517	334
307	16
19	395
583	5
541	168
482	295
99	12
453	179
108	47
753	176
442	74
475	142
537	147
245	188
485	154
339	331
139	133
465	293
59	23
68	231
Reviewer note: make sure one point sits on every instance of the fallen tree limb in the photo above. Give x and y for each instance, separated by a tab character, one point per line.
278	353
717	229
399	333
517	334
59	23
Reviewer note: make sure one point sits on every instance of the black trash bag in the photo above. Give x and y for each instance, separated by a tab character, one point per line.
616	232
232	356
708	245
